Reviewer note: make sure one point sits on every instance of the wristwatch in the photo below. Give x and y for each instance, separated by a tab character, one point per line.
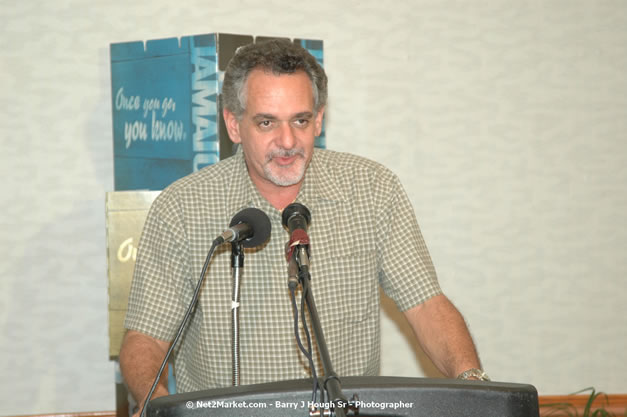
474	373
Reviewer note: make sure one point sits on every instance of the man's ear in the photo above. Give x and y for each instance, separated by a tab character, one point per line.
318	122
232	126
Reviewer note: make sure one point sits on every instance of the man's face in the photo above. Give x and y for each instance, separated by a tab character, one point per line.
278	127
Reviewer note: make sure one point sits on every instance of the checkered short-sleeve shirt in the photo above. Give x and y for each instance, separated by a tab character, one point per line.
363	234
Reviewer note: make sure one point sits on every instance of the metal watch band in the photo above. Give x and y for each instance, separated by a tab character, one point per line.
474	372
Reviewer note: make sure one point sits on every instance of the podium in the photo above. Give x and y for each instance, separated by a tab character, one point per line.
373	396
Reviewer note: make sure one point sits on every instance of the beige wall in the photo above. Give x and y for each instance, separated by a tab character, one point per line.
505	120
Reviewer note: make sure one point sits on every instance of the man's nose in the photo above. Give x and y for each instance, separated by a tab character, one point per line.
286	139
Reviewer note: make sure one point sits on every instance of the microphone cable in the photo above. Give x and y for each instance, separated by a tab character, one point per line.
307	352
190	309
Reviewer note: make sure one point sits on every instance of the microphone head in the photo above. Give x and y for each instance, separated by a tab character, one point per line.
258	222
295	209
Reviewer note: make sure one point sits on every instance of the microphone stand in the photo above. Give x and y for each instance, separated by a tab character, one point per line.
237	263
331	383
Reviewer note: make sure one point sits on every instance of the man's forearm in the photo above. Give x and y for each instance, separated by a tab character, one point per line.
140	359
444	336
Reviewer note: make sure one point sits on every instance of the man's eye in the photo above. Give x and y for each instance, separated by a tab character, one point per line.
301	122
264	124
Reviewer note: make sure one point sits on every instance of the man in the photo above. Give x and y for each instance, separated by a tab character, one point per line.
363	234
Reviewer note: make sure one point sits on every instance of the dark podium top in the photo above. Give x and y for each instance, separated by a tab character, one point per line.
375	396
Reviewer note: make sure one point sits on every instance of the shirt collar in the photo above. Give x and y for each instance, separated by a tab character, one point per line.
241	192
320	183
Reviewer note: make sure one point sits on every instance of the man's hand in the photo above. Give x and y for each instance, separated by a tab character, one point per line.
159	392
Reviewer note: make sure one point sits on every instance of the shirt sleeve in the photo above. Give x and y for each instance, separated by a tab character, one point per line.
161	272
407	274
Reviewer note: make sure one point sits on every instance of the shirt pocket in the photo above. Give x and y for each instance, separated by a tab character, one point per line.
345	286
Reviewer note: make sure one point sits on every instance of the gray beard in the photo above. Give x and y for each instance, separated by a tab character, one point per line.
289	179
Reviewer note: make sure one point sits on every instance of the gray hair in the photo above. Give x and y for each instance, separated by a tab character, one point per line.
278	56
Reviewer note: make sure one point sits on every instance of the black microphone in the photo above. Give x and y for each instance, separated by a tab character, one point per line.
251	226
296	217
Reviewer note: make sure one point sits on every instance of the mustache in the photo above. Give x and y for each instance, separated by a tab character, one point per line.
284	153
